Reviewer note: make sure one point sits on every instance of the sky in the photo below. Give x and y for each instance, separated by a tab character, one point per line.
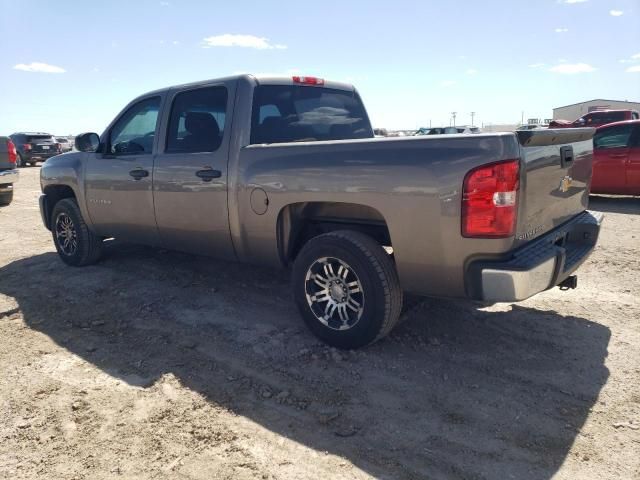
70	66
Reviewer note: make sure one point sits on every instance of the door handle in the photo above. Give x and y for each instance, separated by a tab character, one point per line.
139	173
617	155
208	174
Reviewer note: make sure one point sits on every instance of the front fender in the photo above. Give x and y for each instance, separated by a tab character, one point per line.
66	170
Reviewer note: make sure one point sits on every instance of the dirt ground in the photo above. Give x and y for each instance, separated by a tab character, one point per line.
160	365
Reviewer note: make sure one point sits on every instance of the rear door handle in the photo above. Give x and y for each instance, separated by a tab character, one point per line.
208	174
139	173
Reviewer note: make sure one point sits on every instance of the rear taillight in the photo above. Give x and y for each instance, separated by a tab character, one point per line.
13	155
490	200
308	80
26	146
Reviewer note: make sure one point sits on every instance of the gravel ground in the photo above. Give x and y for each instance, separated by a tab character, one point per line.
155	364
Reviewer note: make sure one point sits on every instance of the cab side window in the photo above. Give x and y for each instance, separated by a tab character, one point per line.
197	121
134	132
613	137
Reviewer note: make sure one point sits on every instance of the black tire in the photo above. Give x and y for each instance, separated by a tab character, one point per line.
88	246
19	161
32	164
6	198
366	262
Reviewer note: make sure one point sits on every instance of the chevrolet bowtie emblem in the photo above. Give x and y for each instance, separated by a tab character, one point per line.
565	184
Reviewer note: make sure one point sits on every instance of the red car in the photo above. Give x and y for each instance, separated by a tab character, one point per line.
616	159
597	118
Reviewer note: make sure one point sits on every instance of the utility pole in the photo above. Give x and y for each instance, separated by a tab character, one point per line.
473	114
453	114
522	119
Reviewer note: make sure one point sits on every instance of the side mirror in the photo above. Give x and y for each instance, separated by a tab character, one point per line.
87	142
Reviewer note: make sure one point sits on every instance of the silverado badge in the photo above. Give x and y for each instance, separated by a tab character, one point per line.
565	183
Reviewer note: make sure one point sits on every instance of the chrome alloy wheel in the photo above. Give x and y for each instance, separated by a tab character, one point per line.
66	234
334	293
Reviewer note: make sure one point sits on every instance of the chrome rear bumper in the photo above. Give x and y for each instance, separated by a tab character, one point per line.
541	264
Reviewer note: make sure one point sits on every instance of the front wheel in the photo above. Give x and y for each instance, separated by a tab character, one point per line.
75	243
19	161
347	289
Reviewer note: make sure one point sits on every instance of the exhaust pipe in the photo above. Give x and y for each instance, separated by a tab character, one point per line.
570	282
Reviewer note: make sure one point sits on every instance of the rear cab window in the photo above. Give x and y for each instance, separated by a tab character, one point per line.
294	113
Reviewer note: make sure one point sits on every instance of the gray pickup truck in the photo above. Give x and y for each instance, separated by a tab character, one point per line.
287	172
8	170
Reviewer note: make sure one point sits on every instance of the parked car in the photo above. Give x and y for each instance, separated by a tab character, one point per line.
8	170
66	145
616	159
35	147
447	130
597	118
286	172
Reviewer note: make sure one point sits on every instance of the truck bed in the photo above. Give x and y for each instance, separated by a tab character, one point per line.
415	184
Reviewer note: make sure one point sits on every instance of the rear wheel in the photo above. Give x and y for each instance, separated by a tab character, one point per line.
347	289
19	161
75	243
6	198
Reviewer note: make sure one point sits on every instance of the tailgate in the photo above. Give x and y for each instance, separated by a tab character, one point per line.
556	180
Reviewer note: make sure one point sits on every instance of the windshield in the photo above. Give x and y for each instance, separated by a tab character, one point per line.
287	113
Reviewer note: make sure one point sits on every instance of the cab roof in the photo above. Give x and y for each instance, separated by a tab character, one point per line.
258	79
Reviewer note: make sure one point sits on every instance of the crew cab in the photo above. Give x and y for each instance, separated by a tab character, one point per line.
286	172
597	118
8	171
616	159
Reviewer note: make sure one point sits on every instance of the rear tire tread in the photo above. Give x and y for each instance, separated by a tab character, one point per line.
385	269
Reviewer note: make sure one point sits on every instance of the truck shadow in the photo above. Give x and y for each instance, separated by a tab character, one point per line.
622	204
454	392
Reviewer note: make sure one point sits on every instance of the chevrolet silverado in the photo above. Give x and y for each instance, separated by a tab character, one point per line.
286	172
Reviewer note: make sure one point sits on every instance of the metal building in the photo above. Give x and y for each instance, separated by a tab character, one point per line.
576	110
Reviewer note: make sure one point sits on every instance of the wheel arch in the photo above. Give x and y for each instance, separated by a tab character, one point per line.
299	222
52	195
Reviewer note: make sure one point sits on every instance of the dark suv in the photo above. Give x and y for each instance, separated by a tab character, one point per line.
35	147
